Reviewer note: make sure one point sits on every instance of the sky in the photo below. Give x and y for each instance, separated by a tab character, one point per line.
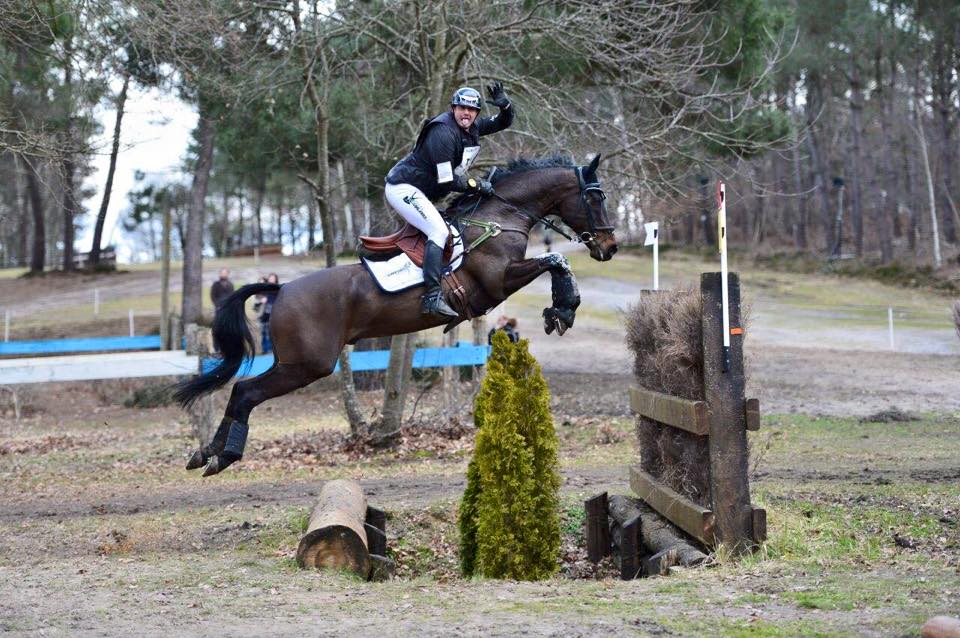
154	138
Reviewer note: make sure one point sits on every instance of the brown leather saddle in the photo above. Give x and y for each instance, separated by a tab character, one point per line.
408	239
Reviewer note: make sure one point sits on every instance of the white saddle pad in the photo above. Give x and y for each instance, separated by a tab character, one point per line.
399	273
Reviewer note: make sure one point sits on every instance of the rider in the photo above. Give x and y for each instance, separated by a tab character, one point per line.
444	150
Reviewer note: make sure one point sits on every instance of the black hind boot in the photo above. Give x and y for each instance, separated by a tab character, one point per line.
433	302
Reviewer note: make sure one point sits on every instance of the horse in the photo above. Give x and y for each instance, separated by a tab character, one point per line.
315	316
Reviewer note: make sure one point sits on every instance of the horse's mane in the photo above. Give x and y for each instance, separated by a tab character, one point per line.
515	167
523	165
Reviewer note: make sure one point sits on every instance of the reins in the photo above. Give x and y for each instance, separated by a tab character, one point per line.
492	229
536	220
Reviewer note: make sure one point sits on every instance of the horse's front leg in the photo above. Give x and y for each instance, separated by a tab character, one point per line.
566	295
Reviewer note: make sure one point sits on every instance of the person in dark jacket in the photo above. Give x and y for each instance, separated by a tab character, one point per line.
508	325
266	309
445	149
221	288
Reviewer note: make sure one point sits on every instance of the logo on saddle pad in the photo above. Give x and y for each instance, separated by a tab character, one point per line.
399	273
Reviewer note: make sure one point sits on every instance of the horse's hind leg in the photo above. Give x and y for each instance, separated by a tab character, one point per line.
231	436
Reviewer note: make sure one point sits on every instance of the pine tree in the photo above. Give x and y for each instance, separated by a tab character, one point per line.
510	523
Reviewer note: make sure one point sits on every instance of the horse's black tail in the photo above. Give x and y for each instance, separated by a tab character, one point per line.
231	333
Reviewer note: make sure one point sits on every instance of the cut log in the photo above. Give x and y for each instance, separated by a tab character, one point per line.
656	533
660	563
336	538
941	627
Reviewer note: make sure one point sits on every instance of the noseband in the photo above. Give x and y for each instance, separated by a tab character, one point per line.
586	190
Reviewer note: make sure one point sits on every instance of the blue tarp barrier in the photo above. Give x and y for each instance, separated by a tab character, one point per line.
88	344
464	354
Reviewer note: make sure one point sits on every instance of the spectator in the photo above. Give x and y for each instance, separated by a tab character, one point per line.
508	325
221	288
547	240
266	307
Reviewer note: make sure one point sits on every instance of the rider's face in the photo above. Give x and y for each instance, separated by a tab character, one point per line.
464	115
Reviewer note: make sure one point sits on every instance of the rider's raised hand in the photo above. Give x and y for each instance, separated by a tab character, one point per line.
497	96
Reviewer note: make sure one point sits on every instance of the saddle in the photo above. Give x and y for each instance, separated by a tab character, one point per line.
409	240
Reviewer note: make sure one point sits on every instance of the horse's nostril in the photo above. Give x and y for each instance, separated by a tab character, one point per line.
612	250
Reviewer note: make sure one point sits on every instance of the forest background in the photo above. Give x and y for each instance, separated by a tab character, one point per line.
832	122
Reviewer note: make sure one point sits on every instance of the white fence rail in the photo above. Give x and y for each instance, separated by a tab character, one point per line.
89	367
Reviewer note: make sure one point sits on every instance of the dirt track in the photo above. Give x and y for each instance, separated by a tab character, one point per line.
103	533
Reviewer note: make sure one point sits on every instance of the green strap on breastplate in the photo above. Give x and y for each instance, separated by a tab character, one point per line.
491	229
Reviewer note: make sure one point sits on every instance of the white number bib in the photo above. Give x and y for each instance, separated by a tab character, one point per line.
469	154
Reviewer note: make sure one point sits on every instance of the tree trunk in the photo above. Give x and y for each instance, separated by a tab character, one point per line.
21	202
165	341
192	309
358	425
68	166
311	222
883	194
931	197
820	176
71	206
800	229
108	187
450	376
203	422
38	255
259	193
856	157
394	388
943	91
349	237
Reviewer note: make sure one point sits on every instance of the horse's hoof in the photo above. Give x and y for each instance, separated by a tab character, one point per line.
197	461
220	462
548	326
213	467
561	327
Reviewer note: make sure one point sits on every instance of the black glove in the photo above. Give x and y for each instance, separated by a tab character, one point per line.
481	186
497	96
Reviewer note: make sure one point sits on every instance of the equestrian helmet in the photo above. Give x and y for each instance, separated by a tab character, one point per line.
465	96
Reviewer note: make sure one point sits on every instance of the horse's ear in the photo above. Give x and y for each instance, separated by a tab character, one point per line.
592	169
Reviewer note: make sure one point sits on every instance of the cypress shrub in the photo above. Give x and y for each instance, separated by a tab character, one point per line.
510	516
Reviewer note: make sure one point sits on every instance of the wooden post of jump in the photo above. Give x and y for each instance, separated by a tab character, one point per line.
724	394
720	422
200	343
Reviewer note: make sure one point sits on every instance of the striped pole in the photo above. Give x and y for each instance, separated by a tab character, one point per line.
722	238
130	318
96	301
6	325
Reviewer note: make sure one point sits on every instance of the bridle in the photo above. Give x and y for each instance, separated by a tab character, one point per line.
588	189
591	190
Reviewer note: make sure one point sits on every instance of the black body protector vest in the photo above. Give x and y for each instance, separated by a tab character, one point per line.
444	152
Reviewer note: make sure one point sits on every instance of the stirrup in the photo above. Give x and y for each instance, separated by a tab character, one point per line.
435	304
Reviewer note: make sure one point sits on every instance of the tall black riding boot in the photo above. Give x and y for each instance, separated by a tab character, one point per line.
433	302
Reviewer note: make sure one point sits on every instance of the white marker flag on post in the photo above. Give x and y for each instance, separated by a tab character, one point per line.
722	239
653	239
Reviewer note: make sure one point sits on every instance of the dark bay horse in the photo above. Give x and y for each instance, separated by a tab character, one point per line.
316	315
